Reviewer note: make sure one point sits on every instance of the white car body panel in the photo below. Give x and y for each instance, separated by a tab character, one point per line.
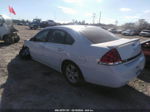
5	27
145	34
86	56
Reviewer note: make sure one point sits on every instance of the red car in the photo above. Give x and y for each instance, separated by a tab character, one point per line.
146	49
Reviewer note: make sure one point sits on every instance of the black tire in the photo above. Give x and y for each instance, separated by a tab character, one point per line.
25	53
16	39
8	40
74	76
35	28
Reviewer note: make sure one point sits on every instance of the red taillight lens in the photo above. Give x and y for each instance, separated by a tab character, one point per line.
111	57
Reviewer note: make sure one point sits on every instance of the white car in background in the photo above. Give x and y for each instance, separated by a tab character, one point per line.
86	53
145	33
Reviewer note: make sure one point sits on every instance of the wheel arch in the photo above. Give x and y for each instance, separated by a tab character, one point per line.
70	61
66	61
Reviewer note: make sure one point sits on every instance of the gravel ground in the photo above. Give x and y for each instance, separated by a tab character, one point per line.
31	85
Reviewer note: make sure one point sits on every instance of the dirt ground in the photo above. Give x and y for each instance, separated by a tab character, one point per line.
31	85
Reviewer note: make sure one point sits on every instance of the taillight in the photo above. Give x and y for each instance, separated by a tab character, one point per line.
111	57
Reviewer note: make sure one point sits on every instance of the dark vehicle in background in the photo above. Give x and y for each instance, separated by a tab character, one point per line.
20	24
119	31
35	24
44	24
51	23
146	49
130	32
145	33
112	30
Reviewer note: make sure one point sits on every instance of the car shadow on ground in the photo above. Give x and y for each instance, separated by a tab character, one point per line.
31	85
2	44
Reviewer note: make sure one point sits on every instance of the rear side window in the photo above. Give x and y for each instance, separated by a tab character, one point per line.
60	37
97	35
69	39
57	36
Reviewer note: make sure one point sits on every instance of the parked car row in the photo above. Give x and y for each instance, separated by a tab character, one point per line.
131	32
37	23
113	30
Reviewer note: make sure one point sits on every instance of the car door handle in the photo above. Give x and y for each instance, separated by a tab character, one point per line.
60	49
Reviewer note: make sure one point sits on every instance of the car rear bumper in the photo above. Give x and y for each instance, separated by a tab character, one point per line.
114	76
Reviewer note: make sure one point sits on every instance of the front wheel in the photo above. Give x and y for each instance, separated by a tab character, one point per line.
24	53
73	74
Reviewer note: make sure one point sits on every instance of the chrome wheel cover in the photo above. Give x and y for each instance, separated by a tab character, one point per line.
72	73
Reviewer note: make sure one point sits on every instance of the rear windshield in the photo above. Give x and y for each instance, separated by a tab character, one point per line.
97	35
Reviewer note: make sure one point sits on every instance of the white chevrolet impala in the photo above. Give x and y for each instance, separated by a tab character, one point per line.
86	53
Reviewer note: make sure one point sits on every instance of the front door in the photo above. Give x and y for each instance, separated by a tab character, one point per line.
36	46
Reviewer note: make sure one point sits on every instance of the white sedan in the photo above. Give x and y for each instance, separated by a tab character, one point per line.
86	53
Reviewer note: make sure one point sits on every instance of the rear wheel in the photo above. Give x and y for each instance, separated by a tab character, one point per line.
73	74
25	53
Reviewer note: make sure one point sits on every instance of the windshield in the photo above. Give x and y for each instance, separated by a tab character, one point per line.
97	35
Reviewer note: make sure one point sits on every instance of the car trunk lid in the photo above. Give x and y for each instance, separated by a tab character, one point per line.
127	48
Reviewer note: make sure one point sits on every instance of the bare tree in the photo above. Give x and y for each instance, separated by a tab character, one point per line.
142	24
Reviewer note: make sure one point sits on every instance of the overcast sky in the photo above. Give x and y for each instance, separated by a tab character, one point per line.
67	10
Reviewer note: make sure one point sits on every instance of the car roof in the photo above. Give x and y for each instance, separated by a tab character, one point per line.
72	27
91	33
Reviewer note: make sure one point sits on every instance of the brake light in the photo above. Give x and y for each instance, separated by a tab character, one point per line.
111	57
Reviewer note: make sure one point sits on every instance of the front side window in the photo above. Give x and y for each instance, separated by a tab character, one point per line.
42	36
